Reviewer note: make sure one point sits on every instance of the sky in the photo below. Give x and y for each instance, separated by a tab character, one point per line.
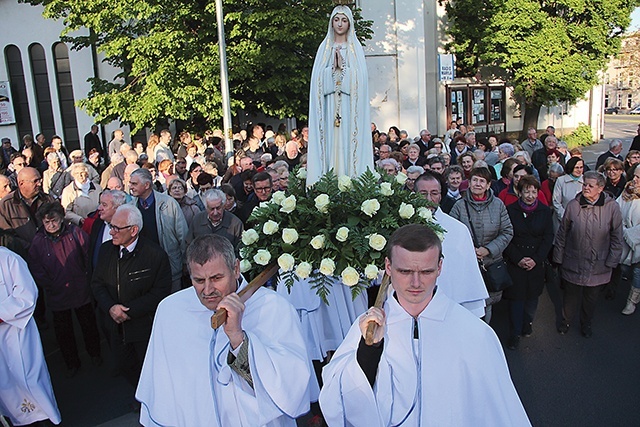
635	20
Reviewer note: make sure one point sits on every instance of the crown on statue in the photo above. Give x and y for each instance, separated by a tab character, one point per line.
344	2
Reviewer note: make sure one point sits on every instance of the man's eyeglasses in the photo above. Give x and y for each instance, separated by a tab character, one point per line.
119	229
262	189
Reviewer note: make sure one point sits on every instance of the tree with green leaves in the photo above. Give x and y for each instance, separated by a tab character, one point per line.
548	51
167	54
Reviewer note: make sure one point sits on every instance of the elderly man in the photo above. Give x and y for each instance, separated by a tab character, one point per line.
91	140
432	363
5	186
424	142
17	163
164	221
251	371
116	142
291	154
384	152
532	143
100	232
130	158
505	151
162	151
262	190
131	278
214	220
26	396
615	148
461	278
18	208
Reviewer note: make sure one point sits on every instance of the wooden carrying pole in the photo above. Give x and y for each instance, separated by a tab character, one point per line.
220	316
380	299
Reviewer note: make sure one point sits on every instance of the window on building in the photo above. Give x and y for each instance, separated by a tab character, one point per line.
42	92
483	106
606	100
65	96
629	100
619	100
13	59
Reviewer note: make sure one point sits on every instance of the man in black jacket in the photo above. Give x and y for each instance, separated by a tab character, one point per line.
131	278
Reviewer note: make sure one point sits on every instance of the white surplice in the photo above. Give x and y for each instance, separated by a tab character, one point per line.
460	279
186	380
454	374
324	326
26	395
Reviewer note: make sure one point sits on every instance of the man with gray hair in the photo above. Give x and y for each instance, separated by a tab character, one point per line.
100	230
615	148
532	143
131	277
164	221
215	220
194	375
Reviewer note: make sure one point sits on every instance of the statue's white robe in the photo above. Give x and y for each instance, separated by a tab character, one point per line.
26	395
186	380
454	374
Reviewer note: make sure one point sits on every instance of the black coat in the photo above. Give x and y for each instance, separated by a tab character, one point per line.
144	279
533	238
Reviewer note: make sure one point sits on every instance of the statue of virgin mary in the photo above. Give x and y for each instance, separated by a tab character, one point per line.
339	118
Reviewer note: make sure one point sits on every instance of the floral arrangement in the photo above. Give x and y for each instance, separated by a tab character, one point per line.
334	231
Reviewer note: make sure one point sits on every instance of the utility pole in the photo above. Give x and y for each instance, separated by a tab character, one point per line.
224	80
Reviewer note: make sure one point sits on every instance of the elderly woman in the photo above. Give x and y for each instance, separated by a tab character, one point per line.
486	218
81	197
525	256
413	172
178	190
555	171
631	159
566	188
616	181
413	157
588	247
54	178
390	166
59	261
511	195
629	203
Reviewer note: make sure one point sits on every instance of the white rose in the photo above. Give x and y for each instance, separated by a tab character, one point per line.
370	207
302	173
371	271
425	213
262	257
245	266
385	189
289	235
327	266
406	210
263	205
322	203
303	270
342	234
401	178
440	235
288	204
350	276
249	237
317	242
344	183
286	262
278	197
377	242
376	175
270	227
243	252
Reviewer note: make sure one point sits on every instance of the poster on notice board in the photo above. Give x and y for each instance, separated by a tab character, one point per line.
7	116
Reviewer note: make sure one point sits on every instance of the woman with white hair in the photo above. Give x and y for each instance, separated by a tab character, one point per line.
390	166
53	178
81	197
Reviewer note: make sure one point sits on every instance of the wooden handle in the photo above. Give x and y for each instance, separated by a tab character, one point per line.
380	299
220	316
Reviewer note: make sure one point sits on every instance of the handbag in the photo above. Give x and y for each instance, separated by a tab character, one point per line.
496	277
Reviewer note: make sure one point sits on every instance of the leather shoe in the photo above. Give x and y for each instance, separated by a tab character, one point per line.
586	331
563	328
527	329
513	342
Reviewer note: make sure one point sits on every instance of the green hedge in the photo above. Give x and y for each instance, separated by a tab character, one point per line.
581	136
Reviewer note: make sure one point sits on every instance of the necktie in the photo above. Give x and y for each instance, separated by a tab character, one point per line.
123	252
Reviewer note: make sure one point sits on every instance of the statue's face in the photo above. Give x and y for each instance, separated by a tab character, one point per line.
340	24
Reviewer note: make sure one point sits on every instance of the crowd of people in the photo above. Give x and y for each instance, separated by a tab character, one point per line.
105	231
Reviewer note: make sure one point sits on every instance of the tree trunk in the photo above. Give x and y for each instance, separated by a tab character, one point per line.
531	113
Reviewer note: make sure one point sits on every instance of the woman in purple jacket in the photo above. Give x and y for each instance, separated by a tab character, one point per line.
59	260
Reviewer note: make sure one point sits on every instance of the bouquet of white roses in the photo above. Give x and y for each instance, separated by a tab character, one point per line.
336	229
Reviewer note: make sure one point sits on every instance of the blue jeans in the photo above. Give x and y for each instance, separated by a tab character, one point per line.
633	273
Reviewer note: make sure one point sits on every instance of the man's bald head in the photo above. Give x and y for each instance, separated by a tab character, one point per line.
29	182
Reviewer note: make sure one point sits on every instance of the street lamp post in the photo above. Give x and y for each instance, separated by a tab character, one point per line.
224	80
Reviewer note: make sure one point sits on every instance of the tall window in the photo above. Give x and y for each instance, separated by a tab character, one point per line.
629	100
13	59
65	95
43	94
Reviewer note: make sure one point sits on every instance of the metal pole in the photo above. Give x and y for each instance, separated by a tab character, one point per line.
224	80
